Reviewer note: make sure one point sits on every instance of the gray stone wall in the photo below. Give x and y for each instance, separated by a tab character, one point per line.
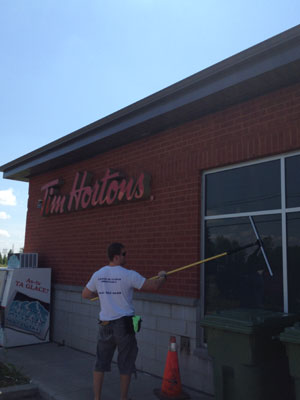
74	324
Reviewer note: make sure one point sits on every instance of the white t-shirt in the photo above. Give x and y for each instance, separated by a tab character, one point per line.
114	286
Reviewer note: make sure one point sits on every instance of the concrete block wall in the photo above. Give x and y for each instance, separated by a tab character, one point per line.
74	324
165	316
73	319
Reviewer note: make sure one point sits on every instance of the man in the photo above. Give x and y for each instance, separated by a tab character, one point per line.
114	285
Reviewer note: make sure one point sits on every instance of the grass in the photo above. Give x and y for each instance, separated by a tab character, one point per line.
10	375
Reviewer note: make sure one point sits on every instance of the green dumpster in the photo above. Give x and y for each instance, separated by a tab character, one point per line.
291	338
249	360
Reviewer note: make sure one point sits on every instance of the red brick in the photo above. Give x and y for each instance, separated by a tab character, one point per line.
163	233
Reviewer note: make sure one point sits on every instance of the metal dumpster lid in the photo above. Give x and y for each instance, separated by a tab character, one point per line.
247	318
291	334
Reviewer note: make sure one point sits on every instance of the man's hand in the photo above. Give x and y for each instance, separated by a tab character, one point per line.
162	274
155	284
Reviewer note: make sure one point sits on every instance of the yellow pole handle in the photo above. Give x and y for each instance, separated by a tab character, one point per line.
192	265
185	267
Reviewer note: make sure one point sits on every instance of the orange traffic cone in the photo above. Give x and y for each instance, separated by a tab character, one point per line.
171	384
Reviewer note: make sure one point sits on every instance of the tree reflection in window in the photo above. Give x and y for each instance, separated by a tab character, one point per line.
242	279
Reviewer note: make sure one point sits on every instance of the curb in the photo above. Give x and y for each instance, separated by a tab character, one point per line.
19	392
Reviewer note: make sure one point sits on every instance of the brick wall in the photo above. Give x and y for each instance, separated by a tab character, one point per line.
163	233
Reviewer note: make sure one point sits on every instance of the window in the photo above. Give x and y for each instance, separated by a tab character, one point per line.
269	192
293	182
242	279
293	256
252	188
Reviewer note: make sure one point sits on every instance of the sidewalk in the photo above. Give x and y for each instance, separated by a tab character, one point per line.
62	373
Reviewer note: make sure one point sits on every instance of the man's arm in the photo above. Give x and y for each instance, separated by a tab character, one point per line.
88	294
155	284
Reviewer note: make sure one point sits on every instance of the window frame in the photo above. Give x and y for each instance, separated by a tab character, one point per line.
283	211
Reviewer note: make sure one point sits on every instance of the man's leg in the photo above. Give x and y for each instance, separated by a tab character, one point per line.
104	354
125	382
98	381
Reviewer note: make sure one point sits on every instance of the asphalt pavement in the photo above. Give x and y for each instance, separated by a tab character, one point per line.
62	373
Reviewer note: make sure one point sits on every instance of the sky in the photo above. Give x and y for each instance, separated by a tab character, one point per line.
67	63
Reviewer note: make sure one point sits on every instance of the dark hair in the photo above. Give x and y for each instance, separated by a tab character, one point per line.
114	249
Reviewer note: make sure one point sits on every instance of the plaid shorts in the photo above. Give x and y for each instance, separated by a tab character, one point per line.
117	334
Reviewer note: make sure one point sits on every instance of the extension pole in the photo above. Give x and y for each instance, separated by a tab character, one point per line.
226	253
186	266
258	243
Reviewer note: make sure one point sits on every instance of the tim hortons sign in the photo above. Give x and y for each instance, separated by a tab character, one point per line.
88	192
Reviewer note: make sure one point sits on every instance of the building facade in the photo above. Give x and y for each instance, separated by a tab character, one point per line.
175	177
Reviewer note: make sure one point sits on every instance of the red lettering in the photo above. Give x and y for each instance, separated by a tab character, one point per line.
37	288
58	204
112	192
94	199
81	192
86	197
75	193
49	203
112	188
109	175
46	200
126	189
139	189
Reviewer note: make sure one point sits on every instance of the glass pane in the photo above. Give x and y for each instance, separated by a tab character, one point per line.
293	253
292	168
252	188
242	279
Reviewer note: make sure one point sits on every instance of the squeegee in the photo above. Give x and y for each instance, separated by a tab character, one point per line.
258	243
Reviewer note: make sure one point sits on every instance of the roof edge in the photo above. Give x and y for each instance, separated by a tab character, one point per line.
251	55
